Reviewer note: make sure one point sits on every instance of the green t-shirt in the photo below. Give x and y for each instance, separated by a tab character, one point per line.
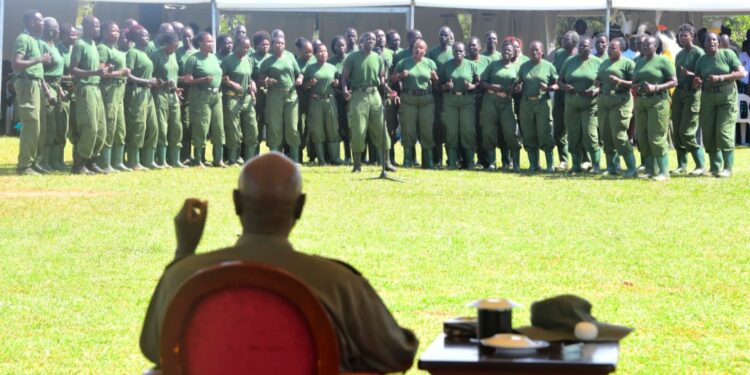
284	70
139	64
561	55
65	52
239	70
622	68
388	57
364	70
723	62
304	64
182	54
165	67
28	47
401	55
654	71
257	60
522	59
494	56
440	55
85	57
221	55
199	65
459	74
419	73
580	74
501	73
151	48
482	63
57	66
113	56
533	75
687	59
325	74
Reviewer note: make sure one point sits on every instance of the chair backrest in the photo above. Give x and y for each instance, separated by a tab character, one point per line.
247	318
743	100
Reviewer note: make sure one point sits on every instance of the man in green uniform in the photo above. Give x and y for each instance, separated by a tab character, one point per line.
569	43
240	123
364	72
155	43
91	120
440	55
686	102
538	77
142	127
166	102
490	46
262	44
351	40
182	54
474	49
393	42
324	129
52	76
304	59
338	56
30	97
412	36
68	37
224	46
458	77
113	95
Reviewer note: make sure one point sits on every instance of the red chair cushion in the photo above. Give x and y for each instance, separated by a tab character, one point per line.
248	331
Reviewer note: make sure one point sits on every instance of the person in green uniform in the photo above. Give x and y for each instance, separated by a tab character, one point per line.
490	46
203	75
715	74
411	37
262	45
653	77
440	54
577	78
224	46
113	95
182	54
31	97
240	123
239	32
91	120
569	43
141	136
458	77
538	78
417	74
686	102
319	80
351	40
155	43
393	41
306	57
281	74
364	72
497	117
167	103
392	44
338	49
53	72
475	55
58	138
601	41
518	58
615	108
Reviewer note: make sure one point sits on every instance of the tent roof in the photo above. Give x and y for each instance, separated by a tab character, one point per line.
551	5
152	1
713	6
291	5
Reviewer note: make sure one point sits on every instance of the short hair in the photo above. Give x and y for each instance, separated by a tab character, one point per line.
599	35
88	20
221	39
199	38
574	36
66	27
585	38
260	36
107	24
29	15
168	39
300	42
686	28
335	38
48	23
132	33
317	47
391	34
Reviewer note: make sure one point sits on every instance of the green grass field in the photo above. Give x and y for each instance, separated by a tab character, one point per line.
80	255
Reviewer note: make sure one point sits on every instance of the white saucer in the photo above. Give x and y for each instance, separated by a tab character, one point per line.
512	344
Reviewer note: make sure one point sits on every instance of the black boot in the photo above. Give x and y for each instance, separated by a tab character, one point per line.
357	162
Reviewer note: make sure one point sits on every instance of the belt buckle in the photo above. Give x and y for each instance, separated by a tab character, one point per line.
458	93
501	94
533	98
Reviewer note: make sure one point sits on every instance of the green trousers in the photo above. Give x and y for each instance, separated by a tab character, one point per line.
438	130
718	113
559	130
206	117
140	119
366	118
536	123
322	121
113	95
581	124
282	108
391	118
417	120
458	117
58	118
499	127
91	122
168	118
260	112
30	104
302	117
651	124
614	113
685	109
240	121
342	107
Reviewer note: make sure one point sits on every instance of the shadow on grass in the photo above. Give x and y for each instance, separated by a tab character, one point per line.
8	170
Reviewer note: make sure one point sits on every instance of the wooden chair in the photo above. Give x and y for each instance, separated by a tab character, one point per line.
247	318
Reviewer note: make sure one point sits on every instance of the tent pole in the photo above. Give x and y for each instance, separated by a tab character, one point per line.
606	18
546	32
410	21
214	21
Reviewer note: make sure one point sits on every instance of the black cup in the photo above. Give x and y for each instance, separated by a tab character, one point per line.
491	322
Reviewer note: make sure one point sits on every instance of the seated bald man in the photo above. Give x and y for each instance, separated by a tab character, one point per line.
269	201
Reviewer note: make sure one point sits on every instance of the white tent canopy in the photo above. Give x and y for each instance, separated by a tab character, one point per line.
541	5
713	6
298	5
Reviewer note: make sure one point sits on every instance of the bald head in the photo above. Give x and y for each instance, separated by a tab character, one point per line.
269	196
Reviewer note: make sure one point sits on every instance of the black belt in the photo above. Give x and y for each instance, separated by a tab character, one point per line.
501	94
717	89
417	92
81	84
651	94
686	87
53	80
28	78
114	81
581	93
457	93
320	97
234	94
611	92
537	98
367	89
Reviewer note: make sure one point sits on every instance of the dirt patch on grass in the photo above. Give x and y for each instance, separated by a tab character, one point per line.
54	193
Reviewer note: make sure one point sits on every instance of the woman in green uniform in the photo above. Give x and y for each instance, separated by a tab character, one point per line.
166	71
183	54
281	74
653	77
338	49
53	72
497	117
538	77
686	102
203	75
320	78
616	108
577	80
457	78
240	123
140	120
68	37
474	47
715	74
113	94
417	111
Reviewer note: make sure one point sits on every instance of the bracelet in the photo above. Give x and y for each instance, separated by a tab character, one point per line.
721	78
